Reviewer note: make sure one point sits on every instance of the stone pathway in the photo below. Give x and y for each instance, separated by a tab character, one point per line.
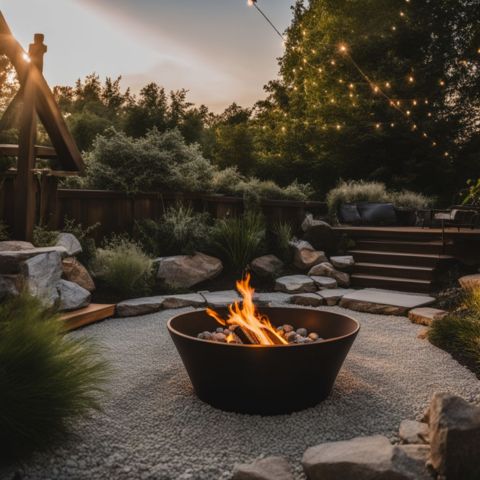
153	427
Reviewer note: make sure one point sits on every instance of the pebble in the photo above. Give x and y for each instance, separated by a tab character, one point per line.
302	332
290	337
313	336
205	336
219	330
219	337
288	328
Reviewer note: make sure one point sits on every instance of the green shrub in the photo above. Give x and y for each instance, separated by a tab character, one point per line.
123	267
43	237
280	237
154	163
410	200
239	239
84	236
459	332
47	380
181	230
355	191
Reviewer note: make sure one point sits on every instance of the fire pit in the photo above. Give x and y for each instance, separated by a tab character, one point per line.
263	379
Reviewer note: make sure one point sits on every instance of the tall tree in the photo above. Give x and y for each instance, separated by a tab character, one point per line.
376	89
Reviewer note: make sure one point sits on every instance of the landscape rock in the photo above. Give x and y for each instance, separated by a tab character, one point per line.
306	259
11	260
139	306
295	284
267	266
414	459
307	299
362	458
75	272
468	282
15	246
386	302
70	243
270	468
334	295
326	269
72	296
423	333
324	283
320	235
185	271
344	262
184	300
454	437
271	298
425	315
221	299
413	432
42	274
10	285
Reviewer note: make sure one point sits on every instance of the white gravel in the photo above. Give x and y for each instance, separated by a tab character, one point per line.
153	426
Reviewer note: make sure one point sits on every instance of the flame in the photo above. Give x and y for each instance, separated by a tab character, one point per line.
248	318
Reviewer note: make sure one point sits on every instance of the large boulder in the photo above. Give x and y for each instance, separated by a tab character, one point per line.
15	246
363	458
70	243
270	468
72	296
11	260
185	271
319	234
75	272
42	274
305	256
326	269
295	284
266	266
454	437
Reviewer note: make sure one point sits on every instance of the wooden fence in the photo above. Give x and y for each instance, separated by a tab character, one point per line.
117	212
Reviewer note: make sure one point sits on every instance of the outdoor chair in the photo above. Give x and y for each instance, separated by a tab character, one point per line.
453	217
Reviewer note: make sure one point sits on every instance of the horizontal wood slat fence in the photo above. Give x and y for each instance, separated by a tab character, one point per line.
117	212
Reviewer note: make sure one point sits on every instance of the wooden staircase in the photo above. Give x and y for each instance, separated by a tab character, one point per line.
406	262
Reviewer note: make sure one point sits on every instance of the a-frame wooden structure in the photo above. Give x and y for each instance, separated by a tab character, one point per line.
36	101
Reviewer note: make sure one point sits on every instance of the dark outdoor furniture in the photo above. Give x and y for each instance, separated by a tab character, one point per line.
456	217
367	213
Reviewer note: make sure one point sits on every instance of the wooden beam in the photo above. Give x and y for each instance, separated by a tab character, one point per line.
40	151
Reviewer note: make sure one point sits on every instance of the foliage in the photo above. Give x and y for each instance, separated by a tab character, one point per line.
84	236
280	236
157	162
179	231
459	332
44	237
47	380
472	196
239	239
355	191
410	200
123	267
6	163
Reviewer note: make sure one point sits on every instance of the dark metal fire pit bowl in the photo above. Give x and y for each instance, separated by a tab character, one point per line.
265	380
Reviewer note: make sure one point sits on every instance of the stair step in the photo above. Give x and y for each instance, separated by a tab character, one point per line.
392	283
95	312
394	271
433	247
398	258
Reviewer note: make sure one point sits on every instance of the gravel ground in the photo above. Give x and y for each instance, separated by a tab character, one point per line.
153	426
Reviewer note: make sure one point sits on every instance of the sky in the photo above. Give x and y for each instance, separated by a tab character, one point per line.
220	50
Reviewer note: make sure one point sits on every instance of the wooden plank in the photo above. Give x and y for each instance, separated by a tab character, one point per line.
88	315
41	151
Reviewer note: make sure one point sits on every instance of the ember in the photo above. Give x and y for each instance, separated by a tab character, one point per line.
245	325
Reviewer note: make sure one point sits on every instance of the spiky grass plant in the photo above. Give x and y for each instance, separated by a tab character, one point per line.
47	380
281	235
239	239
459	332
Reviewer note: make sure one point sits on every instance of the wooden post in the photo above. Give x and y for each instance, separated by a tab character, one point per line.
25	188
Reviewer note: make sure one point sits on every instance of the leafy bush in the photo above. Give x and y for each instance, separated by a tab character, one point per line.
231	182
410	200
47	380
84	236
459	332
180	231
44	237
123	267
280	237
154	163
239	239
355	191
472	196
